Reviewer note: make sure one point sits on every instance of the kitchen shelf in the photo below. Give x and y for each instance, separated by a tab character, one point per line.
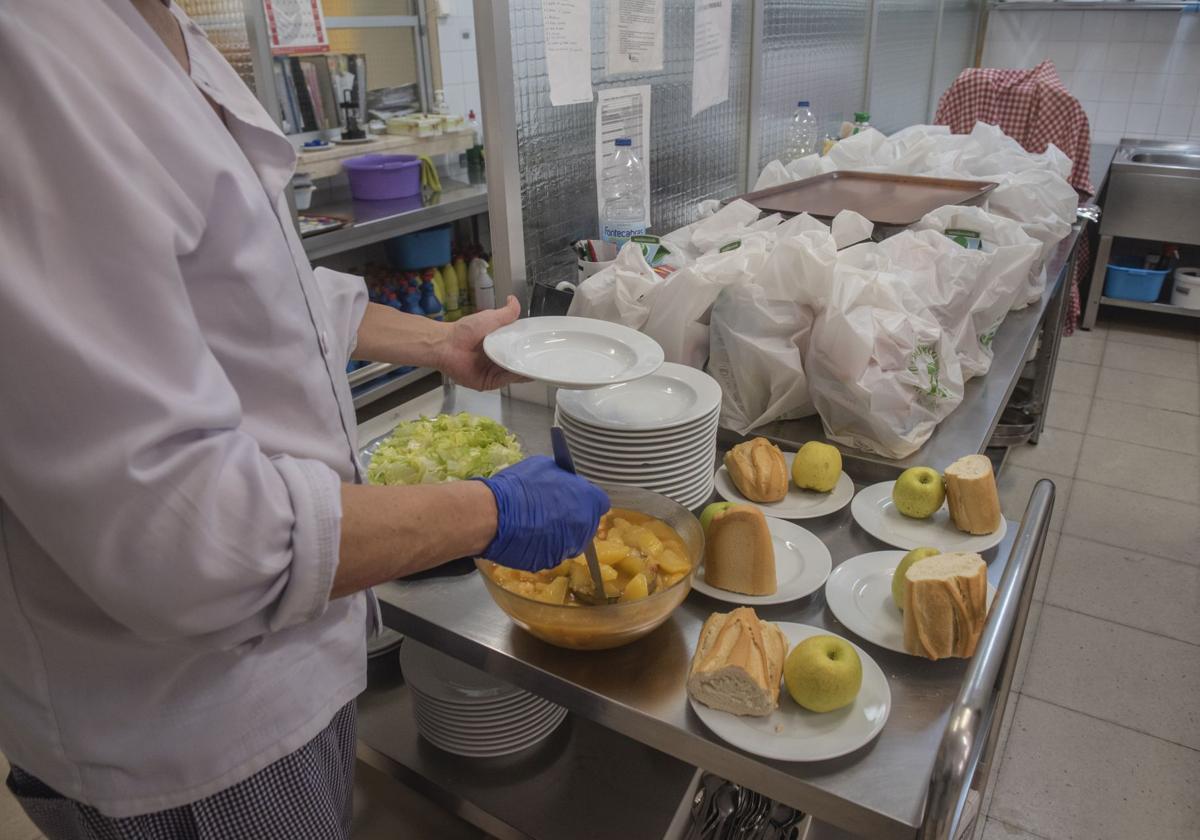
368	372
1150	306
584	775
382	385
327	163
374	221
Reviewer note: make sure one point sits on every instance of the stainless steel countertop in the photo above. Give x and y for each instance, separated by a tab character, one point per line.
878	791
969	427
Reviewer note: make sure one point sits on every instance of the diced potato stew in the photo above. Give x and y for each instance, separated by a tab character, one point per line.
637	553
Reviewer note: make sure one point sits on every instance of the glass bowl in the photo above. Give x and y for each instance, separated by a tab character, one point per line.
607	625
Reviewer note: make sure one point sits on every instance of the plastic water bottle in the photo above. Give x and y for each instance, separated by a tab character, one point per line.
624	196
803	135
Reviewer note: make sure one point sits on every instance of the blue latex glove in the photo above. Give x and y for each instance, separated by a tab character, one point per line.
544	514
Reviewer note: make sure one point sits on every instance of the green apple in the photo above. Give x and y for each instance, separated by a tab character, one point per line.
823	673
817	466
706	515
919	492
906	561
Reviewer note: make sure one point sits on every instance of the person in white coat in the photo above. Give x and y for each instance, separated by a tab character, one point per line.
185	538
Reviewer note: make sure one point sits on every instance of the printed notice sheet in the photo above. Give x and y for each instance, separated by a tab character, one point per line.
710	71
567	25
622	112
635	36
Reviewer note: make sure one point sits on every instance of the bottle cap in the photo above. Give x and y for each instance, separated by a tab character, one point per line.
862	116
471	114
624	141
803	103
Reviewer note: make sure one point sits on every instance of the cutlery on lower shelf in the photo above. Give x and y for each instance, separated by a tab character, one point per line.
721	810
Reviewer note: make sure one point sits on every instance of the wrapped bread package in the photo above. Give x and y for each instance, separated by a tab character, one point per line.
738	664
971	495
758	469
945	605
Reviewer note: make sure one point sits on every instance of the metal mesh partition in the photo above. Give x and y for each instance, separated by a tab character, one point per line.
956	45
815	51
901	62
224	22
691	159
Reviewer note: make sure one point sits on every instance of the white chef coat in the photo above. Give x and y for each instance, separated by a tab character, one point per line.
175	422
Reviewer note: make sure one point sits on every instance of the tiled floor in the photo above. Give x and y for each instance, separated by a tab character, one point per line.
1104	743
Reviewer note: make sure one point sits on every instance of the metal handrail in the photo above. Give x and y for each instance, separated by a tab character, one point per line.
980	704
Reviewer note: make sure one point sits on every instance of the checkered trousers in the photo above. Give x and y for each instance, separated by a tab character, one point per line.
302	796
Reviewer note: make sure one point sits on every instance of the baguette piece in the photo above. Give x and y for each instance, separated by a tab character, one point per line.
738	664
945	605
971	495
738	553
758	469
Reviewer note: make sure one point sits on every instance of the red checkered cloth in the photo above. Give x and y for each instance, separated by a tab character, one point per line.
1030	106
1035	109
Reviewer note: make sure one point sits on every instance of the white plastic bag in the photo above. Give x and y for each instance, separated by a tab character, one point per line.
1012	260
1043	204
777	173
947	277
755	355
679	315
727	224
882	372
622	293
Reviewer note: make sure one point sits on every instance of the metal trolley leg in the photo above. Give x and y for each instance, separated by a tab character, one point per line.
1096	287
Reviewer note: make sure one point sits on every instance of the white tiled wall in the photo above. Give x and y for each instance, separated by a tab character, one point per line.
456	46
1136	73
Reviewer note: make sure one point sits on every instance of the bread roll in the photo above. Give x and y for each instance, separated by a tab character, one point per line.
738	553
758	469
738	663
945	605
971	495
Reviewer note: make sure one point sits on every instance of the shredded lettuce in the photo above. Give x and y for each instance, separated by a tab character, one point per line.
448	447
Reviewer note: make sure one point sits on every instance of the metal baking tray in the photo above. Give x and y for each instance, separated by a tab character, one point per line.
891	200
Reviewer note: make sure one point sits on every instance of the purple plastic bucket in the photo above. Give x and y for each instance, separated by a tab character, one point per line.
380	177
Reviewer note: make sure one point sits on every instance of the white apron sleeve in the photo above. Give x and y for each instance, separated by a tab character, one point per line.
121	447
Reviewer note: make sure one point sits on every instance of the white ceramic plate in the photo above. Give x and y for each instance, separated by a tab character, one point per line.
696	428
792	733
573	352
644	460
797	504
693	501
476	750
675	489
517	705
876	513
802	564
508	733
859	592
700	464
674	395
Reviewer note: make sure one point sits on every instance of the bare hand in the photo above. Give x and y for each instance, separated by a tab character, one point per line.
462	357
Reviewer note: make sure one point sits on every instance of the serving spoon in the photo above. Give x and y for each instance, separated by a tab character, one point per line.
562	457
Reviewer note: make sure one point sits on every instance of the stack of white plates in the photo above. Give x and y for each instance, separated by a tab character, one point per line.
467	712
658	432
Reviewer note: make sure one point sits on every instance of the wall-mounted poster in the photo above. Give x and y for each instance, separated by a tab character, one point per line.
296	26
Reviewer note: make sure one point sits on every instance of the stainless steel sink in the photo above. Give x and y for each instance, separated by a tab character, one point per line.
1167	159
1154	192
